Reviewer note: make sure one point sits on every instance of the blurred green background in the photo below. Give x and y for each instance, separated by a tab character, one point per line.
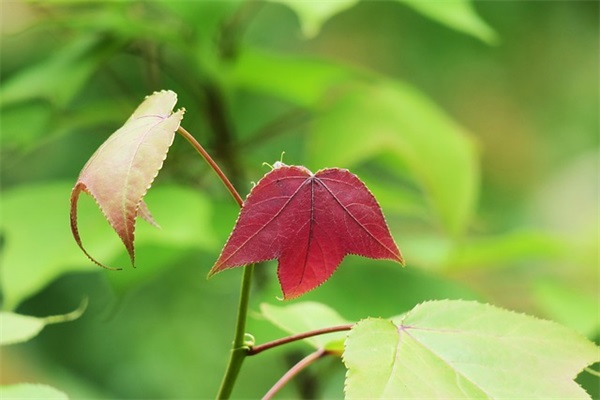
474	124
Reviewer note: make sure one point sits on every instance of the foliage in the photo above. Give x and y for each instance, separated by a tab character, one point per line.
309	222
120	173
466	350
502	212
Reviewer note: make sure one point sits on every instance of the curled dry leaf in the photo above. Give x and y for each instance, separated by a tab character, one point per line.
122	170
309	222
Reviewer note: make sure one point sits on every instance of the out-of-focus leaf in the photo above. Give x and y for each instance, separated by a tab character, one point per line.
185	224
206	19
389	289
396	198
32	124
365	121
121	171
122	20
313	14
308	316
568	305
430	251
39	246
505	250
31	391
210	13
459	349
278	75
456	14
17	328
59	78
23	124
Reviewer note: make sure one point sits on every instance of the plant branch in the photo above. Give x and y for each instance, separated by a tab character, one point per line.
269	345
295	370
212	163
240	349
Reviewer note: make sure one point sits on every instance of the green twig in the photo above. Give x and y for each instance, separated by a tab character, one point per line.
239	349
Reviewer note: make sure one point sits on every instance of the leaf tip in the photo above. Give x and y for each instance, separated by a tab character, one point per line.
77	189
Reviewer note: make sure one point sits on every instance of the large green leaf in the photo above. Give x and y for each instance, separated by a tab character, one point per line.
507	249
299	80
39	246
308	316
31	391
459	349
313	14
24	124
394	119
17	328
59	78
455	14
565	302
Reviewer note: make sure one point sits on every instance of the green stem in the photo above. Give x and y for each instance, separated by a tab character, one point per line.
239	349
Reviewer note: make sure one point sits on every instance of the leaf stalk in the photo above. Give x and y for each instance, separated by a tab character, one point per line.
239	349
295	370
238	199
299	336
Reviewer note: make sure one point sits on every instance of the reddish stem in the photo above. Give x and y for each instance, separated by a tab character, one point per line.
269	345
292	372
212	164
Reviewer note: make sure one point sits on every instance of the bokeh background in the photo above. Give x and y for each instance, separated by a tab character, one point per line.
474	124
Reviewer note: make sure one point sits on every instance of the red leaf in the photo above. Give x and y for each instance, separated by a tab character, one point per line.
309	222
122	170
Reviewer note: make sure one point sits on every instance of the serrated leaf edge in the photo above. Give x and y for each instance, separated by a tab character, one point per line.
80	186
286	296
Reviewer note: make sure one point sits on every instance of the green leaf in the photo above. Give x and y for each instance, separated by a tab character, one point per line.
31	391
456	14
313	14
16	328
504	250
566	303
59	78
38	243
23	124
210	13
394	119
461	349
308	316
39	246
299	80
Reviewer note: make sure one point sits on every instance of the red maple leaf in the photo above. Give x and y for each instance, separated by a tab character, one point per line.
309	222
